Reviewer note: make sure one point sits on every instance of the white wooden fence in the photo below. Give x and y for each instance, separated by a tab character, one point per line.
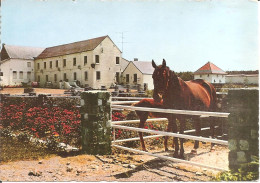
118	125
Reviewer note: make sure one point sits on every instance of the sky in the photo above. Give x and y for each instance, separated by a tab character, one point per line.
186	33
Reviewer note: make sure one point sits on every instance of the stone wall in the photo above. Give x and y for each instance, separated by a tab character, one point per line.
96	122
243	126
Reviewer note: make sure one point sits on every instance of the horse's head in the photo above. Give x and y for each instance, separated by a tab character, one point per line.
161	78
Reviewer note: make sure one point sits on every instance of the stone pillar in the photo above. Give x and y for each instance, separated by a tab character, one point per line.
242	126
96	122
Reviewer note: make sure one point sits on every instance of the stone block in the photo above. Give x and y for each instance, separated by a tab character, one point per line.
241	157
243	145
232	145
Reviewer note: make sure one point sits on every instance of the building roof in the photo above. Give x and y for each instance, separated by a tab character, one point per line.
19	52
71	48
209	68
144	67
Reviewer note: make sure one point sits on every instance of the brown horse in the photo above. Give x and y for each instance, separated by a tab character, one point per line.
197	95
143	116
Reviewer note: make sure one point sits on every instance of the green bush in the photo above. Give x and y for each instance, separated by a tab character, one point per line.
247	172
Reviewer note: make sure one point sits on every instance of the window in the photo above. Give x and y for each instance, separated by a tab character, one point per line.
44	65
50	64
98	75
86	75
117	77
47	78
117	60
29	64
39	78
74	62
14	75
85	60
64	62
55	77
135	77
21	75
127	78
57	63
29	75
75	76
200	76
64	76
38	66
97	59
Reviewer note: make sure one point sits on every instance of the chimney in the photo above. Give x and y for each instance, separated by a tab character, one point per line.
135	59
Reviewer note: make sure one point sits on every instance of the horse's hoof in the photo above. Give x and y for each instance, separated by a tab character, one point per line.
181	157
193	151
212	149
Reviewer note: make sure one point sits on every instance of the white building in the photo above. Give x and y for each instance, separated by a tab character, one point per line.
242	78
139	72
17	64
210	73
95	63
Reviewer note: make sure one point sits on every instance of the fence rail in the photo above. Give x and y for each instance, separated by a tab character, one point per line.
169	158
174	111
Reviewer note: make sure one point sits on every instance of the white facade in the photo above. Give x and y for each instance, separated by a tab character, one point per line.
242	78
17	64
16	71
83	66
212	78
137	77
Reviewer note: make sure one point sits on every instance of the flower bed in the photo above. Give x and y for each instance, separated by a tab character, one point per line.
59	119
47	121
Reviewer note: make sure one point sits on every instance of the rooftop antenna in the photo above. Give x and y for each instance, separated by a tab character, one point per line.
122	40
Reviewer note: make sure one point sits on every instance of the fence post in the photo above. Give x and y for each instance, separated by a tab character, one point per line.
242	126
96	122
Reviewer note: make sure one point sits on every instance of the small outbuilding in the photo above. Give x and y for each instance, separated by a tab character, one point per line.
17	64
139	73
211	73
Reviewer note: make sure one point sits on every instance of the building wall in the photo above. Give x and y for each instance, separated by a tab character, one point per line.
141	78
131	70
212	78
242	79
147	78
107	66
22	69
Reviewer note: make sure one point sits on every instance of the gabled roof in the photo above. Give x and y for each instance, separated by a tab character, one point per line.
19	52
143	66
209	68
71	48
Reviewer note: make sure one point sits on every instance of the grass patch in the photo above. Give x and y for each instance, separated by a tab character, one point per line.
12	149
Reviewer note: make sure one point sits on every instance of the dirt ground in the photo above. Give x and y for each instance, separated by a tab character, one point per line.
119	167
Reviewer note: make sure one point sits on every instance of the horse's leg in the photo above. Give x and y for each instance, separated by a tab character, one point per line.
169	129
173	127
143	117
197	132
182	127
212	130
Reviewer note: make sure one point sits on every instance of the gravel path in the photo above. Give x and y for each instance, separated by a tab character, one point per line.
120	167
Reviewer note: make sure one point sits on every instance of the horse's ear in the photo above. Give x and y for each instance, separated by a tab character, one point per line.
164	63
154	64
